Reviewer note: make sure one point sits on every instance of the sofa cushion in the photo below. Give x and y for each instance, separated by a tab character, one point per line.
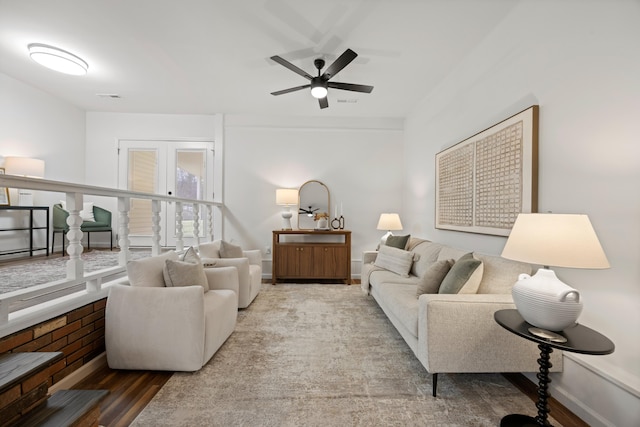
180	273
396	260
209	249
227	250
465	273
148	272
400	300
430	281
399	242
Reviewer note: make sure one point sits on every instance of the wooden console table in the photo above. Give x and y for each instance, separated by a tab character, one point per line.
314	256
30	228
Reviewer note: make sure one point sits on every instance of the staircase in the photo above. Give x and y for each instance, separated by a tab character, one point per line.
25	400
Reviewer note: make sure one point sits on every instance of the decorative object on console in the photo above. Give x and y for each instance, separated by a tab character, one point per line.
389	222
561	240
485	181
286	197
322	221
24	166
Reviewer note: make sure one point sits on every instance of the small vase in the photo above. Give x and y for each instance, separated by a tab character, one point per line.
545	301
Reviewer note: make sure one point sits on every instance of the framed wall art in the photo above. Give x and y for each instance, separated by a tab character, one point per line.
4	193
486	180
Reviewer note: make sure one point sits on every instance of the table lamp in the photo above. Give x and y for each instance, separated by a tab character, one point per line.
389	222
24	166
286	197
560	240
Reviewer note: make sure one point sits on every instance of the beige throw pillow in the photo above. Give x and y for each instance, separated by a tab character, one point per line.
464	277
430	281
227	250
147	272
181	273
393	259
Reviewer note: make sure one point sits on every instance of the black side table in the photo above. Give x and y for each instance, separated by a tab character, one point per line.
579	339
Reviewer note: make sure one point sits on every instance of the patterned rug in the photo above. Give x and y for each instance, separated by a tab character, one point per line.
325	355
53	268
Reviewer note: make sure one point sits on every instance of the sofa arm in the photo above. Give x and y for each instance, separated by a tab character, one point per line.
222	278
369	257
255	256
155	328
457	333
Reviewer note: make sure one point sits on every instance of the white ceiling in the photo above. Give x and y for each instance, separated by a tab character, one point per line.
212	56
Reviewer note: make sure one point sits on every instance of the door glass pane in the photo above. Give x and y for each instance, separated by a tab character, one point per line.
190	184
143	167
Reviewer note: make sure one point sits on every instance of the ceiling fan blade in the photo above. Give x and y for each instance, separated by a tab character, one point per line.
323	102
342	61
350	86
292	89
292	67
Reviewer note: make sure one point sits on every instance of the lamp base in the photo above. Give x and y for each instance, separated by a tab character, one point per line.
286	220
383	240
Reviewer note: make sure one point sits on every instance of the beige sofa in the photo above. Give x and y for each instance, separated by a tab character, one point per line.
454	333
153	327
249	269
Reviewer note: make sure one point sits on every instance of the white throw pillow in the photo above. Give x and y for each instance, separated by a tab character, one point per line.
395	260
181	273
148	272
86	213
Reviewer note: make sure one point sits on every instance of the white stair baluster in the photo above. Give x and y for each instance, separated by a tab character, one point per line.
155	227
75	265
196	224
124	206
179	234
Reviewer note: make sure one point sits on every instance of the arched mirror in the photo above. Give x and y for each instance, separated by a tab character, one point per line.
313	202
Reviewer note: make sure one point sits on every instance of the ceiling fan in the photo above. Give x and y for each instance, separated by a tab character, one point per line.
309	211
319	85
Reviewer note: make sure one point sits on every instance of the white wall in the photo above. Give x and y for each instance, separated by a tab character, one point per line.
359	160
579	61
35	124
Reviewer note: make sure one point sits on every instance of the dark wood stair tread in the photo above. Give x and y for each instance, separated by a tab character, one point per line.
63	408
15	367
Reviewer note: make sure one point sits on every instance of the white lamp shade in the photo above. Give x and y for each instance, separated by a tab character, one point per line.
24	166
286	196
389	221
560	240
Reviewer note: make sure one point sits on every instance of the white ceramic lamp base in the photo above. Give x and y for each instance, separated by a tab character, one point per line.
286	219
545	301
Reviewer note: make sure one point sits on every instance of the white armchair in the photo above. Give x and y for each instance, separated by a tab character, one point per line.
249	266
170	328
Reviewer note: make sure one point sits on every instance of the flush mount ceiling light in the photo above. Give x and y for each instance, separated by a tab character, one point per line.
57	59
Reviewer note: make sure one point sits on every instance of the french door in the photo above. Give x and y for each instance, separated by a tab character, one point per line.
179	168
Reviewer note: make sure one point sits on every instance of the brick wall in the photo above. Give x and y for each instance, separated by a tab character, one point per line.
79	335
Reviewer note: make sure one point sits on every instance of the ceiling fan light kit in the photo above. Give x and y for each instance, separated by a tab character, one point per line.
319	85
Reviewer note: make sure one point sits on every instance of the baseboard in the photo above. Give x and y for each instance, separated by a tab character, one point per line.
79	374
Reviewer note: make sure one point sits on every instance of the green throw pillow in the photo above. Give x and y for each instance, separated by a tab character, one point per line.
430	281
461	274
399	242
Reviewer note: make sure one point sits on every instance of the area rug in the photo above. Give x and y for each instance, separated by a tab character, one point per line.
54	267
324	355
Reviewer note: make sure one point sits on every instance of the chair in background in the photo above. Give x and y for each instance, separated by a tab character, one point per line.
101	224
